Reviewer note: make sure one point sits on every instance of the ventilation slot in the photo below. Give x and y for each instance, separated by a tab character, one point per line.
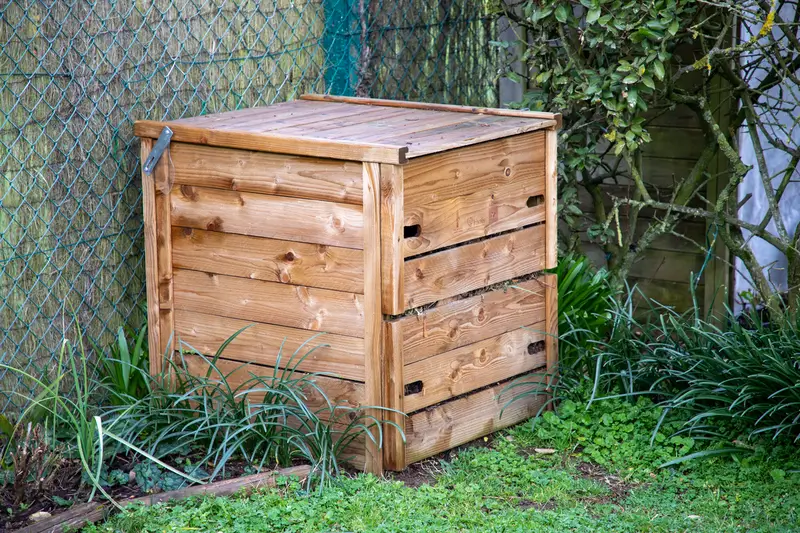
533	201
413	388
411	231
535	347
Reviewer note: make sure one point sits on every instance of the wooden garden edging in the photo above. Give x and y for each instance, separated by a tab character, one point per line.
88	513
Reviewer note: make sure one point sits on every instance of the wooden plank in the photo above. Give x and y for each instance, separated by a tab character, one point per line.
469	320
451	424
341	127
394	447
271	345
483	129
411	121
163	178
273	303
74	518
434	107
259	172
261	215
450	374
373	375
273	142
482	167
465	268
551	199
299	115
294	263
237	375
551	325
444	223
151	263
392	239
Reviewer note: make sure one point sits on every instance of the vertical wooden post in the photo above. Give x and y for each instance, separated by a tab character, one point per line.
551	248
373	375
392	239
394	447
158	256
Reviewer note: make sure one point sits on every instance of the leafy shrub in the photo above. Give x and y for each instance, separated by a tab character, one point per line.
628	436
125	371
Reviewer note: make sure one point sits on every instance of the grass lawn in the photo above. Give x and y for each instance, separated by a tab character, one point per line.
507	486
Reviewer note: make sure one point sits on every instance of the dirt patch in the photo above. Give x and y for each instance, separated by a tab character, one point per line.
538	506
618	488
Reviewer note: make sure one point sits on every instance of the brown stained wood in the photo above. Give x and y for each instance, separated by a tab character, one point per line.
275	217
392	263
163	179
407	122
260	172
453	423
81	515
394	446
151	263
274	142
373	375
339	392
465	268
273	303
434	107
264	344
294	263
479	168
482	129
469	320
451	221
551	326
474	366
551	198
340	127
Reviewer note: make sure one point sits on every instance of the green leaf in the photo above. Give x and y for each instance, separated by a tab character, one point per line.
630	79
593	15
562	13
648	81
673	28
658	69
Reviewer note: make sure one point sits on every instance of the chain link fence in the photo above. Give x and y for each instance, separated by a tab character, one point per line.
76	74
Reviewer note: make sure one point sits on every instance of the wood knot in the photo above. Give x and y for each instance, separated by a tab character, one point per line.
507	171
289	257
188	192
481	314
215	224
419	274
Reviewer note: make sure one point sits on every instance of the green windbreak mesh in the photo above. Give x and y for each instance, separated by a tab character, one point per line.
76	74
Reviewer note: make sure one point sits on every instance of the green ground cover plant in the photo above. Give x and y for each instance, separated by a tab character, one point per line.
509	486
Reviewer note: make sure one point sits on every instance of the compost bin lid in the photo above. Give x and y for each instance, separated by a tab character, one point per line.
357	129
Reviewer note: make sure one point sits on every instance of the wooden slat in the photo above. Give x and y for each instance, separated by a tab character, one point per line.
469	320
294	263
394	447
465	268
339	391
268	114
451	424
471	367
297	115
412	121
483	129
373	374
163	178
485	212
273	142
272	303
261	215
392	238
264	344
482	167
259	172
551	199
151	263
340	127
551	326
434	107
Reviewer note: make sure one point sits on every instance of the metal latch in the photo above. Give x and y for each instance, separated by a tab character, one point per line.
155	154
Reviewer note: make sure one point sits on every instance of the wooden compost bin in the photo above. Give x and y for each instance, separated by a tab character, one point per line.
410	234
